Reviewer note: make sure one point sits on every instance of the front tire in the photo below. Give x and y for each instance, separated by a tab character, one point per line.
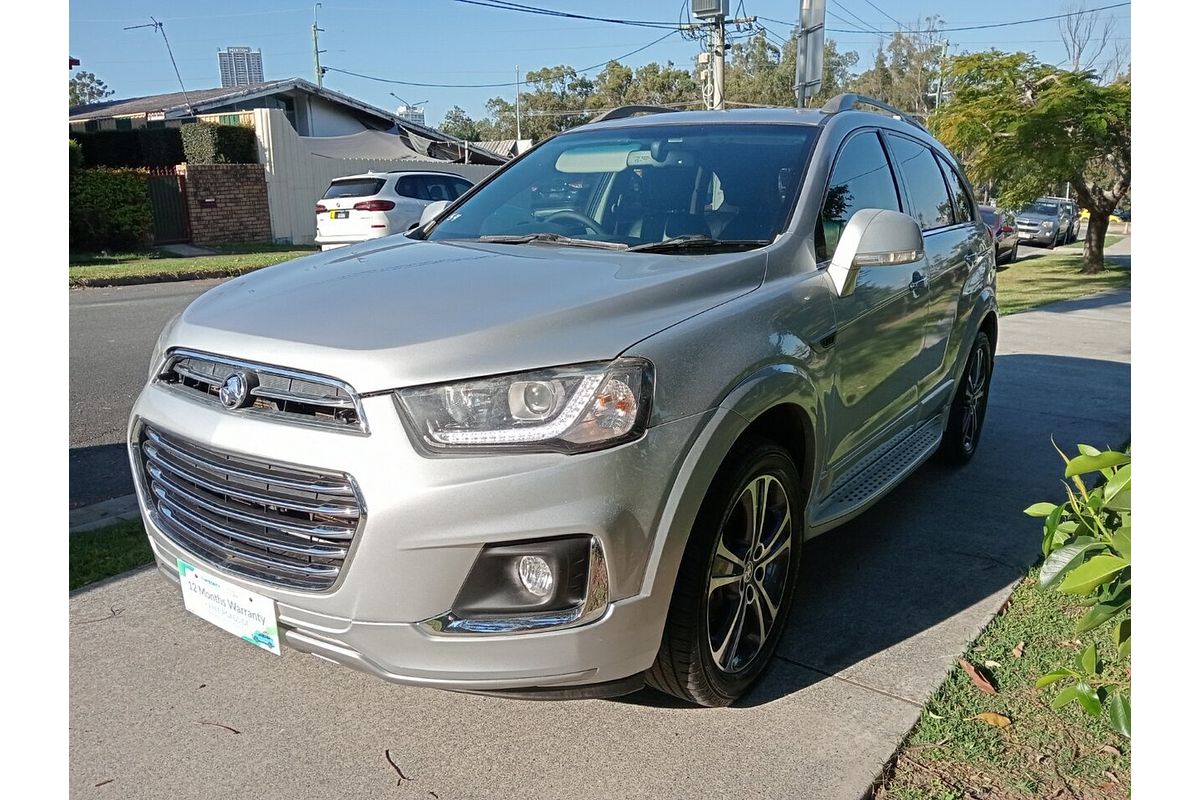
736	580
961	437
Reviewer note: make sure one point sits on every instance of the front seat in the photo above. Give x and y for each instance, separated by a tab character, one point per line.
666	200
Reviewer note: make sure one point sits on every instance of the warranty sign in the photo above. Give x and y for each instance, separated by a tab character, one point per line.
247	615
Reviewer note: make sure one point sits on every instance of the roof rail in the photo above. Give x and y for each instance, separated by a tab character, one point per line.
622	112
847	102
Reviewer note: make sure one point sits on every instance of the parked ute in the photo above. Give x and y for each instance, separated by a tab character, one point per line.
565	443
361	207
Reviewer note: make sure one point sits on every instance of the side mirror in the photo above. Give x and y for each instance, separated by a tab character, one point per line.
874	237
433	210
1006	229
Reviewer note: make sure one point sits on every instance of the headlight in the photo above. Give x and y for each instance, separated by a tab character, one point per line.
1047	224
565	409
160	346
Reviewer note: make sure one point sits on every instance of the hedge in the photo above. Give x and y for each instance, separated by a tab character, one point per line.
139	147
109	209
205	143
76	162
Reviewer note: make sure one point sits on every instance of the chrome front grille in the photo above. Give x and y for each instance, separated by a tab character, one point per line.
284	394
284	525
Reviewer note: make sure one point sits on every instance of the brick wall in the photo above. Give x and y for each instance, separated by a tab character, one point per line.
227	202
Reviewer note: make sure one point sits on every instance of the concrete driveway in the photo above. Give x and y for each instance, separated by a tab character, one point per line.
165	705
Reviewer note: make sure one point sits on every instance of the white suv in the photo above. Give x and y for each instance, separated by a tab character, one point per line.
361	207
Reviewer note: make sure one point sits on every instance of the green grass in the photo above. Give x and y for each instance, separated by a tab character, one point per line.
1032	282
950	755
114	269
96	555
1109	241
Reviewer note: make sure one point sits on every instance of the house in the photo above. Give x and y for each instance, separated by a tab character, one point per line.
313	111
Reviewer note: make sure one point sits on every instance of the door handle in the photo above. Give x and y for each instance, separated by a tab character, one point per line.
919	282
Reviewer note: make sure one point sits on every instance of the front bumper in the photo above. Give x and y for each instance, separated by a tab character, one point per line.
428	519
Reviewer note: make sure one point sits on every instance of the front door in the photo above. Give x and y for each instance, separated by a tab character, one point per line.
880	325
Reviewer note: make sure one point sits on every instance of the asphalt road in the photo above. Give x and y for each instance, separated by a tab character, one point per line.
165	705
112	333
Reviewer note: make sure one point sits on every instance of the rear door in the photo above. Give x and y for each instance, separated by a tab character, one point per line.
955	241
880	326
411	199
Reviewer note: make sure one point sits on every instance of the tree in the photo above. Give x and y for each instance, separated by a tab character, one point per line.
87	88
457	123
1029	126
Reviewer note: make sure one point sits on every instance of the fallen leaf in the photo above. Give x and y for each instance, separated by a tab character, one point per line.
1112	751
1112	777
993	719
978	678
992	664
934	716
219	725
1019	650
101	783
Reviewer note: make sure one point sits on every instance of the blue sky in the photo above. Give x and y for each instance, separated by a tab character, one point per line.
441	41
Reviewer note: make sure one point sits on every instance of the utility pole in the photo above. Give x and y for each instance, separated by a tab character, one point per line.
316	51
810	51
718	64
517	84
712	14
937	101
158	26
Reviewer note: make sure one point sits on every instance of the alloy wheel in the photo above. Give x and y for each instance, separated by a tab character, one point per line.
748	574
974	397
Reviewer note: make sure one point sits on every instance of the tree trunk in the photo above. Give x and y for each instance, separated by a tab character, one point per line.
1093	243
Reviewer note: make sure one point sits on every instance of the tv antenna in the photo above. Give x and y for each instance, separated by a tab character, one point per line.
161	29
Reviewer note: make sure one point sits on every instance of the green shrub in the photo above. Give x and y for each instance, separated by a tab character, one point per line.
205	143
109	209
138	147
161	147
1086	542
76	162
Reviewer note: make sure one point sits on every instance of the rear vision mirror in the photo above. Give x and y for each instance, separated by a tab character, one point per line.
874	237
433	210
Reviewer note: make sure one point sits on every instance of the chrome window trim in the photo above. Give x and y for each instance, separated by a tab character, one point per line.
354	398
595	604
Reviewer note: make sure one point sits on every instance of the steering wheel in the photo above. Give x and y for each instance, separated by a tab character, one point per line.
591	225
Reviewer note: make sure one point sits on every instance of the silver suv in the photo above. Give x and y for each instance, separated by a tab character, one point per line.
569	436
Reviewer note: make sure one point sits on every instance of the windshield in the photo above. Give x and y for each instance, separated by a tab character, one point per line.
694	187
1041	209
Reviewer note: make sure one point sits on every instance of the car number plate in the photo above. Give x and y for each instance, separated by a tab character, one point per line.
247	615
1025	235
339	214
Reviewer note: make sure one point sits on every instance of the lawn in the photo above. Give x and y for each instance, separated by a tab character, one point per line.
114	269
1035	281
99	554
952	754
1109	240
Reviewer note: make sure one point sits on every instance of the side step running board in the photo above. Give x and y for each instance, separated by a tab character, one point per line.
877	478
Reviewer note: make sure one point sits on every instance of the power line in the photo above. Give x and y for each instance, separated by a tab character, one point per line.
881	11
867	25
505	84
503	5
997	24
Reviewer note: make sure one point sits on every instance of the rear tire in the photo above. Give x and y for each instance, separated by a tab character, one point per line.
741	562
960	440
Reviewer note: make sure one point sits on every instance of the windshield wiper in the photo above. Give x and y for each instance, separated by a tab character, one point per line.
697	241
552	238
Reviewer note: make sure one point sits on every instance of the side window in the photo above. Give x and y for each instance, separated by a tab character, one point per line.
406	186
861	179
959	193
435	188
927	194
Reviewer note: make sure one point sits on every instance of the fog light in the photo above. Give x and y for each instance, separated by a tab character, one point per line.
535	575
